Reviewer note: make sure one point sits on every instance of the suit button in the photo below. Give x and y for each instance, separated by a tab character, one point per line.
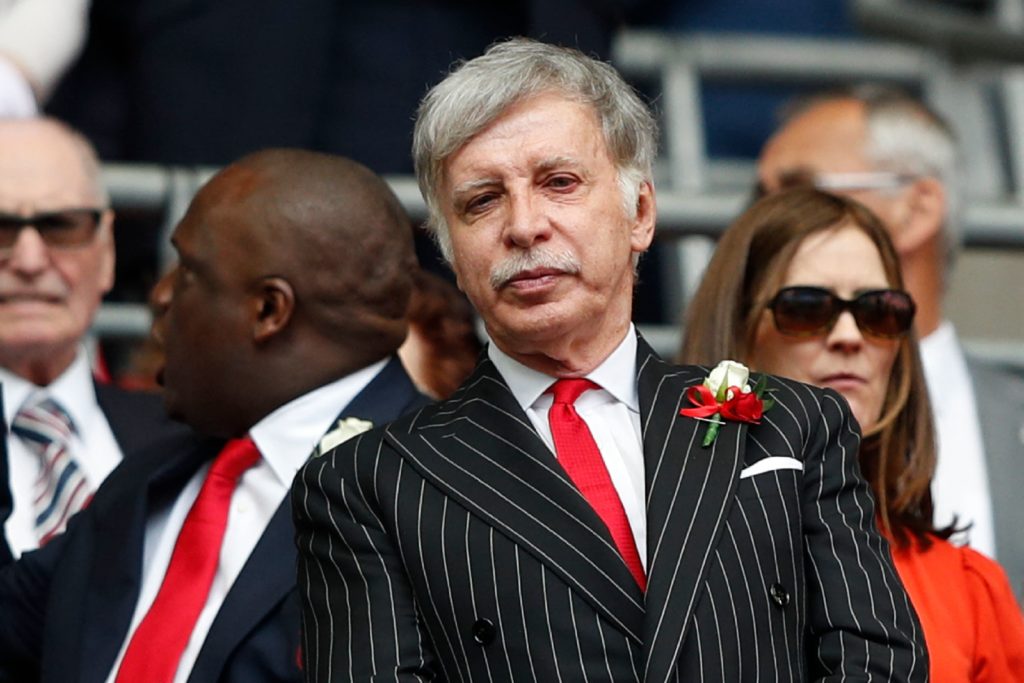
780	596
483	631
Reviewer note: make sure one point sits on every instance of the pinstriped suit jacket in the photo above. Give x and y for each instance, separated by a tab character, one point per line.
451	545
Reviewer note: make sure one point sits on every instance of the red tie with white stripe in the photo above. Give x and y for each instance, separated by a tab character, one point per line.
162	635
579	456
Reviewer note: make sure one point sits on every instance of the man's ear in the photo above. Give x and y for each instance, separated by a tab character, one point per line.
274	306
107	255
642	233
924	215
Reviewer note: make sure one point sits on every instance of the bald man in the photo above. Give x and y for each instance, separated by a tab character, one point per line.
287	306
56	263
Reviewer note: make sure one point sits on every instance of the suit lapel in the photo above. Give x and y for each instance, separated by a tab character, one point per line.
114	589
690	490
999	400
480	449
268	576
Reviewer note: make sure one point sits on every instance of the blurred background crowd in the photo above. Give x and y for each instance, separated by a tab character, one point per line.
913	107
168	91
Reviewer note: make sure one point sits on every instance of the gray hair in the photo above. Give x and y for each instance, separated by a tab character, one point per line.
478	91
906	136
91	167
90	162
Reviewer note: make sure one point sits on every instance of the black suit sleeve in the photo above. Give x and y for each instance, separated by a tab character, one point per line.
24	596
862	624
351	576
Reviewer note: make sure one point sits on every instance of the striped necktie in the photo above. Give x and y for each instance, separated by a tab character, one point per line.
61	489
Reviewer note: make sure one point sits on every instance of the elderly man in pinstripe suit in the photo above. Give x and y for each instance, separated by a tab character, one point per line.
558	518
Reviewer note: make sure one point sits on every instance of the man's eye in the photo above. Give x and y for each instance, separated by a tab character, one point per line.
479	203
562	182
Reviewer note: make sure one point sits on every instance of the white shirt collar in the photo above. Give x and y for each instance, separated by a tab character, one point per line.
940	342
74	390
287	436
616	374
942	357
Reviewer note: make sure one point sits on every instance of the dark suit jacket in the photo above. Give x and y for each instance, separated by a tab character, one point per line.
67	607
451	545
999	396
137	420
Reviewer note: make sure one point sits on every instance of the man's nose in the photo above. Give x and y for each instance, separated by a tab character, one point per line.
161	294
159	302
29	254
527	222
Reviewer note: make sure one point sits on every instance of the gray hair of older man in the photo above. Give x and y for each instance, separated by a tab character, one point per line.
906	136
478	91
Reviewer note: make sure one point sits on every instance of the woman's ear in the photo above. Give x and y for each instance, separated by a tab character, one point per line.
274	305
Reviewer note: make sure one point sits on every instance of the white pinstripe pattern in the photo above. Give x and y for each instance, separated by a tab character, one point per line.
459	514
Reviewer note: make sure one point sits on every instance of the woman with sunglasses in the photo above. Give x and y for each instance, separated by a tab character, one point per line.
807	285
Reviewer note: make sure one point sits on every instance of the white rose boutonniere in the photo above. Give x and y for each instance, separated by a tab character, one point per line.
344	430
724	395
728	374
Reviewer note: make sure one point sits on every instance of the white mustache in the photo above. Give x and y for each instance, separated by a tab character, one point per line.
533	259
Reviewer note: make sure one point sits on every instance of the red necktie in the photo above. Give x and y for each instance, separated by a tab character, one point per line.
582	461
161	637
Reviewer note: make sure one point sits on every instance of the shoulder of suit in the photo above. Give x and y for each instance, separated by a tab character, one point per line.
994	368
775	382
137	418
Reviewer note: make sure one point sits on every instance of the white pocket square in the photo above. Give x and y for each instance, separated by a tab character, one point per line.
775	462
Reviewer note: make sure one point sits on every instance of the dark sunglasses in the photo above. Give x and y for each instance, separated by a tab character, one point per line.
810	311
61	229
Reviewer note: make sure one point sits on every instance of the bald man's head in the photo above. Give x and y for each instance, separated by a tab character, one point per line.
295	268
337	232
56	246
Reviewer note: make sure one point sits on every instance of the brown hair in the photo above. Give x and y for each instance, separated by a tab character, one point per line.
898	455
442	318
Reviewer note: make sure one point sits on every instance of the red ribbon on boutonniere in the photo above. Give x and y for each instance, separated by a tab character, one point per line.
725	395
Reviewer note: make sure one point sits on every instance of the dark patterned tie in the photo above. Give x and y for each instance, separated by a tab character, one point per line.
579	456
61	489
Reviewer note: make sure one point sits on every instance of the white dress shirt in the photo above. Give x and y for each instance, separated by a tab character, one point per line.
960	485
612	414
285	438
93	446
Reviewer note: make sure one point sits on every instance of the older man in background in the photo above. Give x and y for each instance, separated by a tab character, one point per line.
67	432
897	156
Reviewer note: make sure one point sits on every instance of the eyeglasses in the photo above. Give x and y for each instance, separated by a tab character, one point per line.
839	182
810	311
867	180
63	229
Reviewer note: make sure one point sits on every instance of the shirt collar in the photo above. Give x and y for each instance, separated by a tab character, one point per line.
287	436
942	341
616	374
74	390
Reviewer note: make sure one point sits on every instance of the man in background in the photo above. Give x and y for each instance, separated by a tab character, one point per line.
279	326
894	154
67	432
